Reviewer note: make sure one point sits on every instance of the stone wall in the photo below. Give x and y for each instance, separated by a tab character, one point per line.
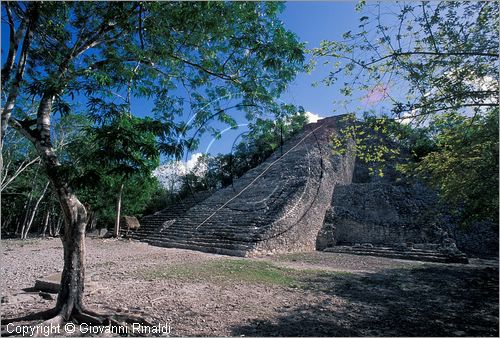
392	211
314	172
278	206
381	214
478	239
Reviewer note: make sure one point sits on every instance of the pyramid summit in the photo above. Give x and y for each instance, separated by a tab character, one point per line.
292	202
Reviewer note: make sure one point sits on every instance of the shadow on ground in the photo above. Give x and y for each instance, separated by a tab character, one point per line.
427	301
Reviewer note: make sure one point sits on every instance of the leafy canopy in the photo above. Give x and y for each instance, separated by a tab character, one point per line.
180	56
421	58
434	66
116	62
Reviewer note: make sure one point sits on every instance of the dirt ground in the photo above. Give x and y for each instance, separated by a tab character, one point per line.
310	294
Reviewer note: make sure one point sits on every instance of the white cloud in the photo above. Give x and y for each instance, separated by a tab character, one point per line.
312	118
191	163
170	175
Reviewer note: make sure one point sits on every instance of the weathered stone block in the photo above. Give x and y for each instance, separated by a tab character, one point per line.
276	207
52	283
129	223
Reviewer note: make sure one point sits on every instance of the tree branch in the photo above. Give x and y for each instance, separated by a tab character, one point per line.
428	26
151	64
24	165
141	37
445	54
14	39
33	13
431	111
27	133
206	70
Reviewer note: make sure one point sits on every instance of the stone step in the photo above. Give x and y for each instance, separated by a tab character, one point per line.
182	231
233	237
206	242
179	208
199	220
196	227
415	254
190	228
412	250
210	238
192	246
249	218
159	219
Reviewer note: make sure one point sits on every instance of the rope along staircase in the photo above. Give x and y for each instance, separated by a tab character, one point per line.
278	206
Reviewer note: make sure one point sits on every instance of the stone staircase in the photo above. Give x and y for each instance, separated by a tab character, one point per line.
387	217
428	255
278	206
151	224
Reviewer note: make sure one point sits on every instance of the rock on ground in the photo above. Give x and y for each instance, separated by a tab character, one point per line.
336	294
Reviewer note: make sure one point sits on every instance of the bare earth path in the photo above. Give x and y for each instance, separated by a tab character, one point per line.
313	294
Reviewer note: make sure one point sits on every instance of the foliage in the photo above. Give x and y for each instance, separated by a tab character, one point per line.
119	151
435	66
18	156
463	166
206	58
376	140
422	58
262	140
23	179
91	167
193	60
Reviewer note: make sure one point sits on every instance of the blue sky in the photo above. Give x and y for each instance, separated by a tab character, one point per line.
312	22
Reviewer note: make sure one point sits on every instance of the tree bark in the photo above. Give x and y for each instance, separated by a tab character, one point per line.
24	234
118	212
70	295
18	225
69	300
32	14
92	221
57	226
14	41
46	218
27	208
6	223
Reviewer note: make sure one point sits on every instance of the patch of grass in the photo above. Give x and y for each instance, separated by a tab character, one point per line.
230	270
304	257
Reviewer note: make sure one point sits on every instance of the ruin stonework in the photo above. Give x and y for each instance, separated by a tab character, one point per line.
381	214
278	206
303	198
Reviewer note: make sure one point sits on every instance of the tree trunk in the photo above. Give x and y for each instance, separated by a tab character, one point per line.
92	221
69	299
70	295
18	225
6	224
46	218
118	212
52	226
58	225
26	213
27	207
24	234
32	15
